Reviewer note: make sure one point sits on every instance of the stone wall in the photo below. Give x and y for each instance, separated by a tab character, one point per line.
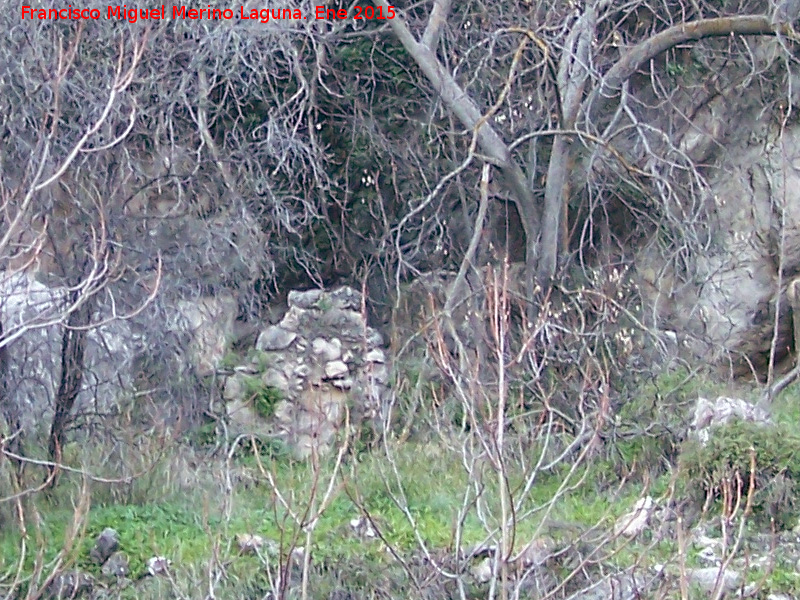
306	372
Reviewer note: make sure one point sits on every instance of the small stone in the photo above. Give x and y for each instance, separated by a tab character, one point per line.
292	319
105	545
275	338
363	527
275	379
336	370
375	356
327	349
633	523
302	370
535	553
482	571
234	388
249	543
116	565
158	565
343	384
72	584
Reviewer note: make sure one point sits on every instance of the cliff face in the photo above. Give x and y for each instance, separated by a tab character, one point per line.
724	302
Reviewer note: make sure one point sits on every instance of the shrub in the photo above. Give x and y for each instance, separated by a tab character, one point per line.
738	453
264	397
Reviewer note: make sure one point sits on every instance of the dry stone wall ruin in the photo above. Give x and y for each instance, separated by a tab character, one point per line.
319	367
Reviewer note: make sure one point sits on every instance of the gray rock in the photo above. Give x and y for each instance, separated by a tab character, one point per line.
709	578
327	349
343	384
275	338
71	584
636	521
249	543
117	565
234	387
31	313
209	320
275	379
336	370
304	299
106	544
375	355
709	414
284	411
346	298
302	370
158	565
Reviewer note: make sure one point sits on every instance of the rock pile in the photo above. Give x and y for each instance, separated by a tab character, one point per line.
305	372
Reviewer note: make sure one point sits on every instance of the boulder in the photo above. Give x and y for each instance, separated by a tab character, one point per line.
106	544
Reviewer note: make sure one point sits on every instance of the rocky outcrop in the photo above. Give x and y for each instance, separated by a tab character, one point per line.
33	318
32	315
319	361
209	321
710	414
724	299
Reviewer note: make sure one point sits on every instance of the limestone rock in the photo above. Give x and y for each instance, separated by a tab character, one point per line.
710	579
31	315
276	379
70	584
336	369
482	570
634	522
234	387
117	565
376	355
249	543
209	320
535	553
304	299
158	565
106	544
725	309
343	384
275	338
709	414
327	349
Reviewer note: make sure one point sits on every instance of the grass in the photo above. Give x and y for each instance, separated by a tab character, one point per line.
187	528
416	492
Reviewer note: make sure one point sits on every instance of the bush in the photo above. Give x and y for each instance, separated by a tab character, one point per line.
735	455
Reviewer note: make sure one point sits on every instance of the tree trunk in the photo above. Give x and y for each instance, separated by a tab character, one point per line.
73	351
9	413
